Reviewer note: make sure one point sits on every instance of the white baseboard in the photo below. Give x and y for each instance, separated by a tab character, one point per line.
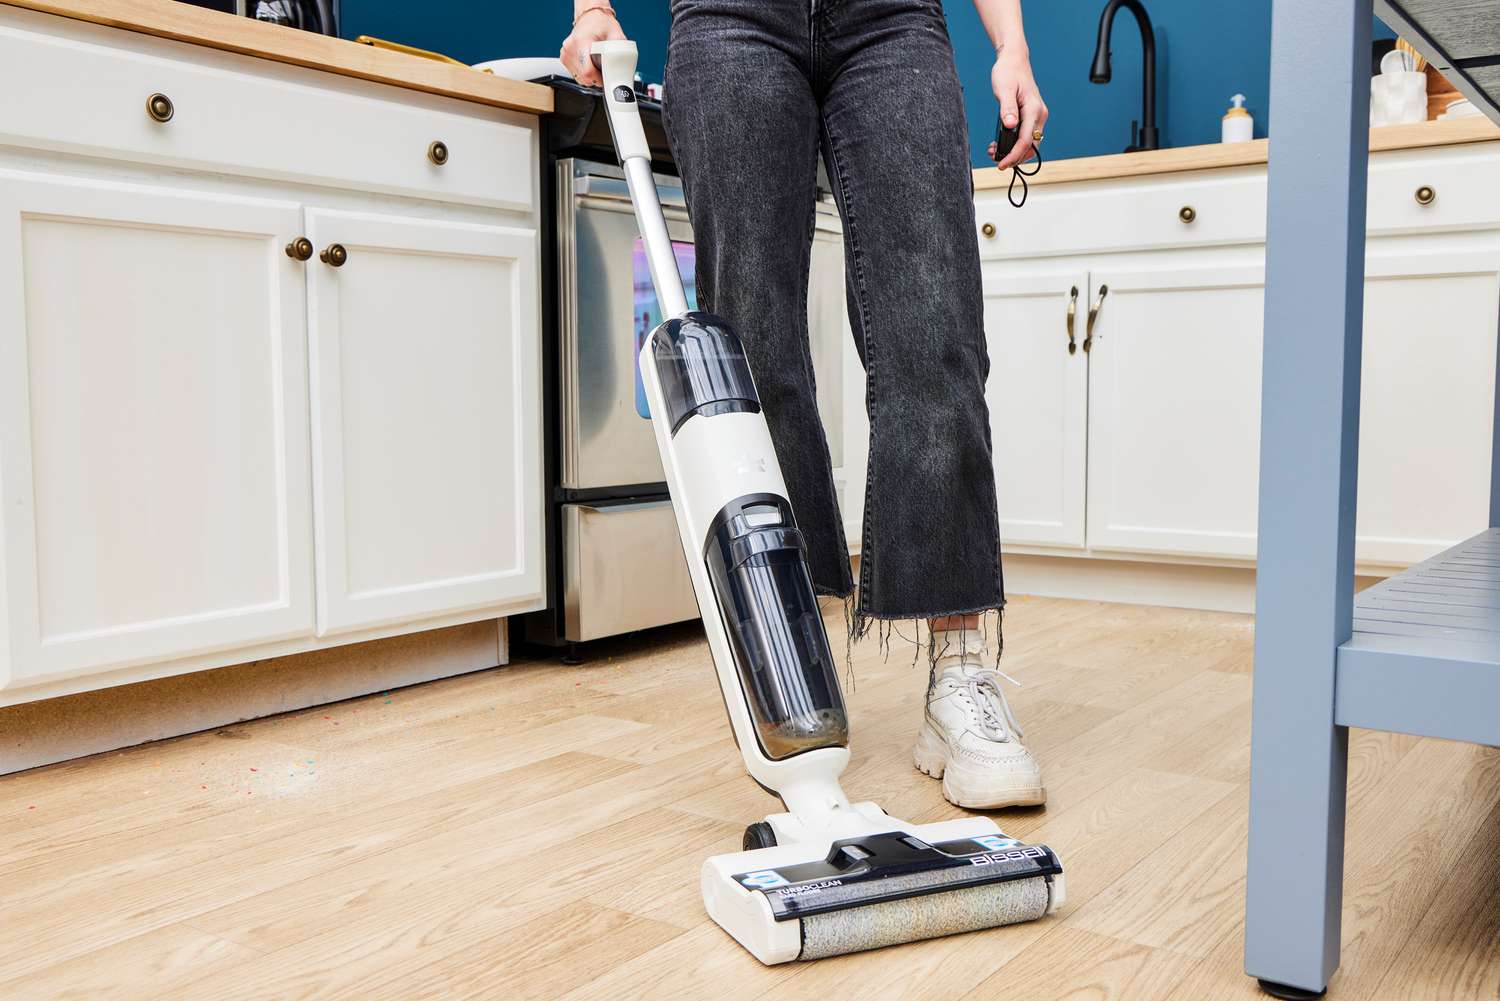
71	726
1173	585
1225	589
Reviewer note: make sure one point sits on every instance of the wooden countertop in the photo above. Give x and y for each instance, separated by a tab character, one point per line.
199	26
1168	161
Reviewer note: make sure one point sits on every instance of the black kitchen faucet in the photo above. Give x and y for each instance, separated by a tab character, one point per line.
1100	73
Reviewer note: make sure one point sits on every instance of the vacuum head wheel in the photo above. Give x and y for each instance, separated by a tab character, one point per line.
758	835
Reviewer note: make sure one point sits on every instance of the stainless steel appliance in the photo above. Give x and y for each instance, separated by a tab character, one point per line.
606	437
622	562
615	557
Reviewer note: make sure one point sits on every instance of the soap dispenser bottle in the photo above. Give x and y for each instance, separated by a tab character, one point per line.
1239	127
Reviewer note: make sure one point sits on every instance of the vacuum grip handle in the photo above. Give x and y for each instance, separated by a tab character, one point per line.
616	60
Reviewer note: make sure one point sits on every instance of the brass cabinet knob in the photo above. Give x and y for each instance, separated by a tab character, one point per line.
1187	214
1426	195
437	152
988	229
334	255
300	249
160	108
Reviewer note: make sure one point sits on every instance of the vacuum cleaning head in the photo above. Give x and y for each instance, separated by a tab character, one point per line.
875	890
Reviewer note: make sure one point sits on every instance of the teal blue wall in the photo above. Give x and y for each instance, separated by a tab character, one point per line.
1205	52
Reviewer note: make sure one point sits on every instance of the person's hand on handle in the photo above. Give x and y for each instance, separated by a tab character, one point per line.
1021	104
593	21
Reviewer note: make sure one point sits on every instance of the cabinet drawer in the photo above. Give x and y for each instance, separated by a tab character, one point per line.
623	569
86	91
1441	189
1152	214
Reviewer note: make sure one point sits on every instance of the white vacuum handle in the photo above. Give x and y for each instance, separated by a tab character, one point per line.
616	61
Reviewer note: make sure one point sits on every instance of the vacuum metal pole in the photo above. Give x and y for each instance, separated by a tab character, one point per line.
659	255
616	61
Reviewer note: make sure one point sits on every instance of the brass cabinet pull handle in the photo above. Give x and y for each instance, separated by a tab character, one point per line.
1426	195
160	108
988	229
334	255
300	249
437	152
1088	330
1072	311
1187	214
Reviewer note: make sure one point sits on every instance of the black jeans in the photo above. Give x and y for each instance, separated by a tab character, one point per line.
754	90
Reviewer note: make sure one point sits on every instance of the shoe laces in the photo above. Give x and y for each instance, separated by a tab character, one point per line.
996	719
981	687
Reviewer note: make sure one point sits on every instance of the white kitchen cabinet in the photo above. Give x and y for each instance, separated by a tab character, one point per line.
426	412
1038	401
856	444
154	489
828	334
1427	393
1174	403
184	484
1174	408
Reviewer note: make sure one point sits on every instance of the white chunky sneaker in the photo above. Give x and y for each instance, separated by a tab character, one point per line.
970	737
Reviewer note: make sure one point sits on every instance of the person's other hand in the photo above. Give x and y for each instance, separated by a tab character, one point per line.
1021	102
596	25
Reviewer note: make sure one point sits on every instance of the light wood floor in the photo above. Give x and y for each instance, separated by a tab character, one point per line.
535	832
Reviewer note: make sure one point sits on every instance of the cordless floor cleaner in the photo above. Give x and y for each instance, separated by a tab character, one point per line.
826	876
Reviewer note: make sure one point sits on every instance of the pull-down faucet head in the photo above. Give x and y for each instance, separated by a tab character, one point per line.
1099	71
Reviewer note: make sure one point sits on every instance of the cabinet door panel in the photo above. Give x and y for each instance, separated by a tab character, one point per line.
1038	399
1174	411
828	333
427	457
153	425
856	443
1427	394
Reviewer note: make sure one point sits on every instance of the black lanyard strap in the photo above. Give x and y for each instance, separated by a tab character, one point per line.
1020	175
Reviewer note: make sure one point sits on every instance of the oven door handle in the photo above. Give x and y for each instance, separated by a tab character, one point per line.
668	190
607	203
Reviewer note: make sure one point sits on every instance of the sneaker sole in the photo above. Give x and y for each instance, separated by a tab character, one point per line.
930	757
